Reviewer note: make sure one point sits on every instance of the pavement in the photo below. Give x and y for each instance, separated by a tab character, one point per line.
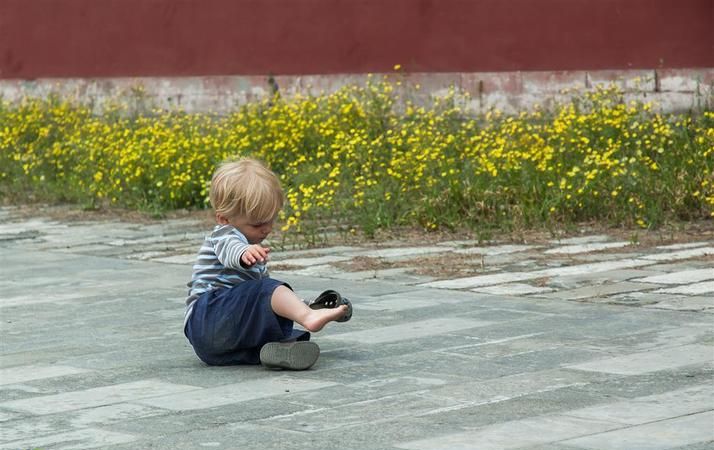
587	342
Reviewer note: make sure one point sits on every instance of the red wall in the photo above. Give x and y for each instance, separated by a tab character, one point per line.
110	38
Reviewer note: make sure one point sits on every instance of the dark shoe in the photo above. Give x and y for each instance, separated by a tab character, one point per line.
298	355
332	299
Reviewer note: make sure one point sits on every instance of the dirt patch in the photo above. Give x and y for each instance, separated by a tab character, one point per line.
447	264
453	265
364	263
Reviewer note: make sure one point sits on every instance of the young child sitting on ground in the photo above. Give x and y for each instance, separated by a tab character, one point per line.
236	313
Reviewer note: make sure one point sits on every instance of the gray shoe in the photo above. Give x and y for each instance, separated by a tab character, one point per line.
299	355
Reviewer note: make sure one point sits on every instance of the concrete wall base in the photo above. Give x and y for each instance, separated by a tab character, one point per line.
670	90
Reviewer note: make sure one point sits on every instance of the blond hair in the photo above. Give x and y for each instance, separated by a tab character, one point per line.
246	188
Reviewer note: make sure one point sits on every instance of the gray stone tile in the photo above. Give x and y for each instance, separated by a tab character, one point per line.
684	303
25	429
651	361
636	298
681	254
702	288
599	290
86	438
481	280
513	289
282	254
408	331
177	424
661	435
231	393
640	410
399	252
682	277
580	269
91	398
683	246
547	401
315	261
6	416
506	388
257	436
21	374
417	299
586	247
678	266
512	435
495	250
549	446
102	417
500	278
185	259
612	388
705	445
368	413
583	258
695	332
396	305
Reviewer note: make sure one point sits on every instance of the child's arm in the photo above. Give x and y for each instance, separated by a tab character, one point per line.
256	253
234	252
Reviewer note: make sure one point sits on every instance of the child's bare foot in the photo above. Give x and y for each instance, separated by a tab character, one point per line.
316	319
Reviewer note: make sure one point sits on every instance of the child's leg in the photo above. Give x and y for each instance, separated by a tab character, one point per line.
286	304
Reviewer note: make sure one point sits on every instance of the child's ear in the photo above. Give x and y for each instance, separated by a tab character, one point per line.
221	219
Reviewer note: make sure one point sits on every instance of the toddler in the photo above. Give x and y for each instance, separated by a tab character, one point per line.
236	313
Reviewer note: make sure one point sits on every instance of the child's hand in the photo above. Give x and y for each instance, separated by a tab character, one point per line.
255	254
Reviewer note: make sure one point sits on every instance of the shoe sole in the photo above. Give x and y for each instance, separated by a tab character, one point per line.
332	299
289	355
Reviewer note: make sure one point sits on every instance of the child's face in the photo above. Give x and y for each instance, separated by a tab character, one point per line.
255	232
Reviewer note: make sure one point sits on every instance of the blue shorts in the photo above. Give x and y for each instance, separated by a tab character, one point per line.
229	326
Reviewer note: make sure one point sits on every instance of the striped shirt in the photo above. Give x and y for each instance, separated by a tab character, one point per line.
218	264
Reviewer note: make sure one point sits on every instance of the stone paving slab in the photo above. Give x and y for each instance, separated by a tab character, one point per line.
681	402
23	374
608	277
701	288
561	346
685	303
85	438
638	363
599	290
586	248
91	398
516	434
683	277
513	289
664	434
